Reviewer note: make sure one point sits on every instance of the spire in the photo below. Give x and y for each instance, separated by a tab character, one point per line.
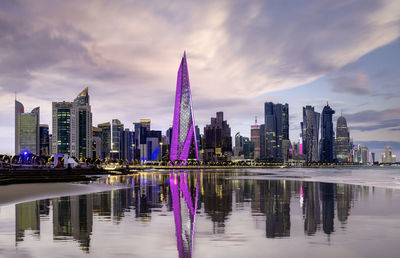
256	120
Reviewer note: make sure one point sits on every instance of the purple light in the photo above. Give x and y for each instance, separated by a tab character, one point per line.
25	153
183	133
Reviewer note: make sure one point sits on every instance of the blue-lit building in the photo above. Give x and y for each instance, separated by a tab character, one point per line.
327	135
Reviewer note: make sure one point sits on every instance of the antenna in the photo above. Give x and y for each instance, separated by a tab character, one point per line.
256	120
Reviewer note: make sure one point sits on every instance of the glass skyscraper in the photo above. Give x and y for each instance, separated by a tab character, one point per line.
327	135
310	133
342	140
183	129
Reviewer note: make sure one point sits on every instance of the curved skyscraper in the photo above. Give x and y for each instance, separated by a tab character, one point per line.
342	140
183	130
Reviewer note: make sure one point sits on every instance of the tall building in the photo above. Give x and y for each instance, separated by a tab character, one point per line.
44	141
364	154
387	157
72	127
255	138
218	140
327	134
116	139
96	145
276	129
342	140
27	133
183	130
105	139
310	133
238	149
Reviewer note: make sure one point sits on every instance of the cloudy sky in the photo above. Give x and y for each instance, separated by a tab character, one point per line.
240	54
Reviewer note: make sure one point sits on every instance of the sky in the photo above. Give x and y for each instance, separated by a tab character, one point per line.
240	54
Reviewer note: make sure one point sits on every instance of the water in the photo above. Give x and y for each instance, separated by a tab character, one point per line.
246	213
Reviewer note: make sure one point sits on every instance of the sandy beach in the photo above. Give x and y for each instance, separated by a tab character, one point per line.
17	193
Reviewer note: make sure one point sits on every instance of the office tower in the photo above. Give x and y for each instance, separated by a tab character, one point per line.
262	143
27	132
84	125
276	129
44	141
342	140
116	139
183	129
146	144
238	149
248	148
387	156
72	127
327	134
310	133
96	145
218	140
364	154
357	157
105	139
127	145
145	123
255	138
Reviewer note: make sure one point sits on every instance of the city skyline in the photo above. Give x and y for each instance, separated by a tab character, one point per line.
52	57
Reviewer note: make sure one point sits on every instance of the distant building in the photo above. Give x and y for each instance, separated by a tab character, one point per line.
342	140
238	149
255	138
72	127
96	145
310	133
327	135
364	154
105	140
387	156
147	143
116	139
218	140
27	133
44	141
276	118
248	148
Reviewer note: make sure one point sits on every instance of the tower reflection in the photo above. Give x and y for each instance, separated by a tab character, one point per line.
184	204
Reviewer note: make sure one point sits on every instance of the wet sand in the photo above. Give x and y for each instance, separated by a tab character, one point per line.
17	193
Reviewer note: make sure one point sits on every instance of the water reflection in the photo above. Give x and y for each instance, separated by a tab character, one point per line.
185	194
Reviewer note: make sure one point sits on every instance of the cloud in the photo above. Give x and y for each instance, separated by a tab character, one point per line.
355	83
128	52
380	125
390	114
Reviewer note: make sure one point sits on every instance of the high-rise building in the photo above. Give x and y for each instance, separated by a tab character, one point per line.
72	127
310	133
248	148
116	139
44	141
255	138
96	145
238	149
145	123
27	133
387	156
105	139
364	154
342	140
218	140
184	142
127	145
276	129
327	134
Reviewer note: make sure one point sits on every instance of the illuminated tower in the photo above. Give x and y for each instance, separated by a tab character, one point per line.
183	130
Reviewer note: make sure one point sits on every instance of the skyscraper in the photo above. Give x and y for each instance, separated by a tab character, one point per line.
116	139
183	130
276	129
327	134
342	140
218	140
44	141
72	127
105	139
310	133
255	138
27	132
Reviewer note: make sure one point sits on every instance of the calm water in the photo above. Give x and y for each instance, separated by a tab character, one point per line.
253	213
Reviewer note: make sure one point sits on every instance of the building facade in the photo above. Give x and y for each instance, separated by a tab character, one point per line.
255	138
27	132
327	135
105	139
218	140
342	140
310	134
184	141
44	141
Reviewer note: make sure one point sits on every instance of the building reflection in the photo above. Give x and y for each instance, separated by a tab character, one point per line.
185	193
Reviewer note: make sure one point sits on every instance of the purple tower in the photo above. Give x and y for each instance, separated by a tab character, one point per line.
183	130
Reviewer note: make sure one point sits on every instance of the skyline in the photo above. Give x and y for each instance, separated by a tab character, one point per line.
236	51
